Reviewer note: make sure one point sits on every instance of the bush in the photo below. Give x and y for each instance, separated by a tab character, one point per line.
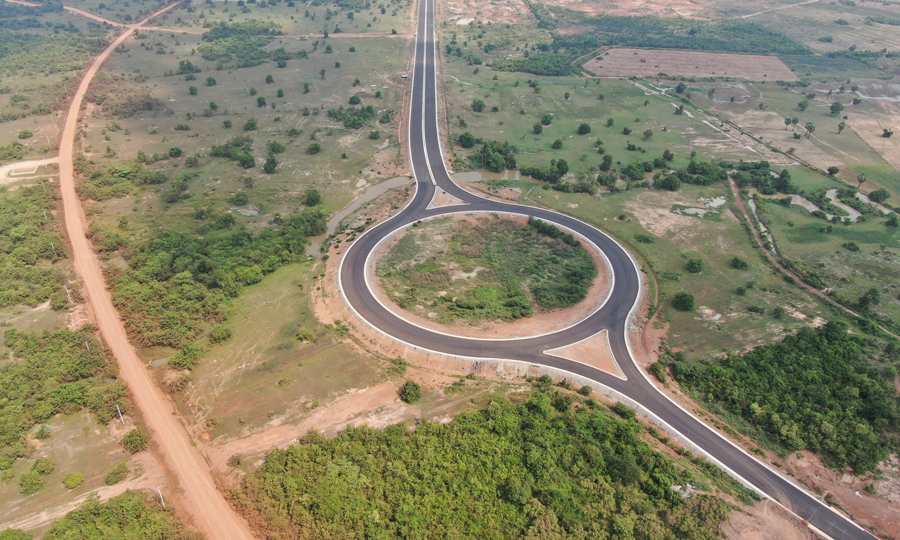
43	466
192	90
174	152
30	483
537	129
694	266
135	441
271	164
219	333
466	140
25	134
117	474
624	411
306	335
478	105
410	392
684	301
584	128
226	124
312	197
73	480
313	149
354	100
187	357
547	119
738	263
251	125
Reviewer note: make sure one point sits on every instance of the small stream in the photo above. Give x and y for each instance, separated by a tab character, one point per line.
369	194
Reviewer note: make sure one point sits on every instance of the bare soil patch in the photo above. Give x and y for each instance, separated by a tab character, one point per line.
505	11
650	63
540	322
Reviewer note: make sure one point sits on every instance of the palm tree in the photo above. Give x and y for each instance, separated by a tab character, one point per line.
841	127
794	122
810	129
861	179
787	123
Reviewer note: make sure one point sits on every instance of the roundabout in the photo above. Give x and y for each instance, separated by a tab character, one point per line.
594	349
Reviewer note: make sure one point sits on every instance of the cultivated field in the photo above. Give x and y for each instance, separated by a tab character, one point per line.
651	63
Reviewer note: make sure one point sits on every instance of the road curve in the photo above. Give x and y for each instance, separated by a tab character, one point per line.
430	173
210	511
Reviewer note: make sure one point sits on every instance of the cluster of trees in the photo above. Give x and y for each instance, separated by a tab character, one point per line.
130	515
814	390
552	173
53	372
535	469
495	156
13	151
245	43
29	53
353	117
29	244
176	282
759	175
122	95
237	149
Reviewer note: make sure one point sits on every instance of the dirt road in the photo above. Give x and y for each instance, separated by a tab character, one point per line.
207	507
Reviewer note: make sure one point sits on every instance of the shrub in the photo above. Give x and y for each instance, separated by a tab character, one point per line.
117	474
251	125
694	266
25	134
537	129
219	333
684	301
624	411
271	164
557	144
312	197
187	357
547	119
73	480
174	152
226	124
306	335
738	263
584	128
313	149
135	441
411	392
466	140
43	466
374	135
354	100
478	105
30	483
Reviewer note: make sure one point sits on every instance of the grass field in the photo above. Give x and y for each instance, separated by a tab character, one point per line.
299	19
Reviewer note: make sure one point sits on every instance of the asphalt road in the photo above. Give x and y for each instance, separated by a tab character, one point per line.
430	172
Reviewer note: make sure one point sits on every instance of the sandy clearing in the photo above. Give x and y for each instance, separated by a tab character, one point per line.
20	169
201	500
594	351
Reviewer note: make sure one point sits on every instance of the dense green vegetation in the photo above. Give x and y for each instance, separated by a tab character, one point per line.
130	515
177	281
29	244
516	263
52	373
30	53
534	469
812	390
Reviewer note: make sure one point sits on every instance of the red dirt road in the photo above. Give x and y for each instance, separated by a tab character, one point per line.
209	510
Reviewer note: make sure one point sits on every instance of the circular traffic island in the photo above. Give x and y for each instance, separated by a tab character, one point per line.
489	276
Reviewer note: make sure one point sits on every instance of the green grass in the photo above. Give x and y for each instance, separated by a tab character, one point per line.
293	20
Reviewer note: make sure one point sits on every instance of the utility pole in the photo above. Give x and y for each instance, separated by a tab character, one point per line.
160	497
120	415
67	294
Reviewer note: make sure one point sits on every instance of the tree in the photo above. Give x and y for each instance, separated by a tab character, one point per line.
212	106
887	133
557	144
869	299
466	140
337	65
584	128
43	466
226	124
680	88
30	483
694	266
25	134
313	149
135	441
626	131
210	81
648	134
836	108
738	263
610	122
787	123
684	301
879	195
276	147
410	392
271	164
312	197
537	129
270	79
192	90
794	122
279	93
833	170
892	221
861	179
841	126
547	119
802	105
354	100
251	124
566	96
175	152
321	75
810	129
306	84
668	155
260	101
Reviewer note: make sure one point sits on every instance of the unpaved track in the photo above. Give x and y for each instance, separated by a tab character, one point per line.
207	507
